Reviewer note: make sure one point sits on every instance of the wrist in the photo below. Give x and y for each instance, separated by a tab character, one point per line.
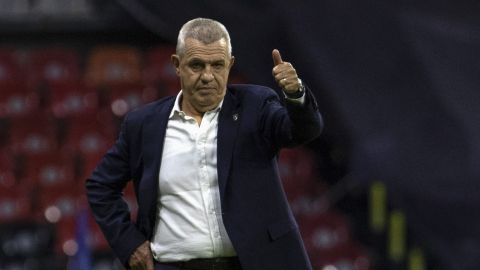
297	94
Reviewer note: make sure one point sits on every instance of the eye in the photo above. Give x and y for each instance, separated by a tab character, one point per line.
196	66
218	65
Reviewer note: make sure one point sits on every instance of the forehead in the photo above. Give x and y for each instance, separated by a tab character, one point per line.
196	49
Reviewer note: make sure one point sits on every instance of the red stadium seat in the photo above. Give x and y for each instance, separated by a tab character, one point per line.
298	173
349	256
57	203
90	139
159	71
65	242
7	178
10	72
324	231
107	66
33	136
7	172
327	240
16	98
15	204
17	101
306	205
49	169
53	66
89	136
128	97
73	100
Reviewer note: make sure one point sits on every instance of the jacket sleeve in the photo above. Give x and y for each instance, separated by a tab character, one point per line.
104	191
287	124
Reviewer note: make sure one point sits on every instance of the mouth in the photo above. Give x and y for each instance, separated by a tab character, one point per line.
206	89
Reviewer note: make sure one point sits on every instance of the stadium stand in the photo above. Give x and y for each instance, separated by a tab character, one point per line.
58	116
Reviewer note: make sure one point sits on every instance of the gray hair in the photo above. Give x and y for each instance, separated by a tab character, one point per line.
205	30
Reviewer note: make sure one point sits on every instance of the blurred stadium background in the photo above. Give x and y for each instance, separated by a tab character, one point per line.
393	183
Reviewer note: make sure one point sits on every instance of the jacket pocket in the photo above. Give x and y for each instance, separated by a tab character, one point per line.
279	229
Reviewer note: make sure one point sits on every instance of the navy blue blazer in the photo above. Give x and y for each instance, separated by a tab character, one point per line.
254	123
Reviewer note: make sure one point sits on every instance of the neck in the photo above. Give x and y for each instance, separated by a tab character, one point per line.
191	111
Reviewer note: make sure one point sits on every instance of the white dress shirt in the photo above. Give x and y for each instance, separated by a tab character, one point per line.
189	221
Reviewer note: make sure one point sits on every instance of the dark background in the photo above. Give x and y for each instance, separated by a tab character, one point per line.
397	81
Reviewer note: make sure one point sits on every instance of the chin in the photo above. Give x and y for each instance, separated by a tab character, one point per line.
209	103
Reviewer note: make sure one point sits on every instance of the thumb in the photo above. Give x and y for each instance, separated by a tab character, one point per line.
277	58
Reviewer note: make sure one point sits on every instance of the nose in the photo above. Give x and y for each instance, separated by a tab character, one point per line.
207	75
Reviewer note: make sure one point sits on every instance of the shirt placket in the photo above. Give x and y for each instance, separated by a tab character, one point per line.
205	185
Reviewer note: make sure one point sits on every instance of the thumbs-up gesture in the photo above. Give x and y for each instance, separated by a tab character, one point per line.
285	75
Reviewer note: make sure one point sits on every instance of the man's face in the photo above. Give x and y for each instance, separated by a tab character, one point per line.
203	71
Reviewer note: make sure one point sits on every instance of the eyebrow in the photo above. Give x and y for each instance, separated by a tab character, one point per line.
196	59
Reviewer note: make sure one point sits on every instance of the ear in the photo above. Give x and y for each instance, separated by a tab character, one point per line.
176	62
232	60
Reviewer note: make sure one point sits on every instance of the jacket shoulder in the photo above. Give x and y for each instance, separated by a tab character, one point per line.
252	90
147	109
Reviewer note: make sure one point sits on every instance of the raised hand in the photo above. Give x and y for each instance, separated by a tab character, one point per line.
285	75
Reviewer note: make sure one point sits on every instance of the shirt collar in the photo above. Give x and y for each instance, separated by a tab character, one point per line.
176	107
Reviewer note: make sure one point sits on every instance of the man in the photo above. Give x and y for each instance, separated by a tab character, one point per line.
204	168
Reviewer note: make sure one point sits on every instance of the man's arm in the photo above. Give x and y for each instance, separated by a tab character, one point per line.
104	192
297	120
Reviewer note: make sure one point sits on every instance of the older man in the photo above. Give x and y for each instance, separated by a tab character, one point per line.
204	167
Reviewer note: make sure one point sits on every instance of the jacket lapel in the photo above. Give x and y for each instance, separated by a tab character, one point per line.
228	122
152	146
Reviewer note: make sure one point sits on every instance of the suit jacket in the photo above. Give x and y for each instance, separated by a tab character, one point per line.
254	123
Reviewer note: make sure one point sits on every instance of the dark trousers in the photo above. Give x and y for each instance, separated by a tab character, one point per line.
201	264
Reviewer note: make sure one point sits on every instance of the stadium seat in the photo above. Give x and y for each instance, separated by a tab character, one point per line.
349	256
7	177
49	169
10	71
7	171
298	173
16	101
15	204
324	231
89	139
159	67
57	203
52	66
65	242
159	71
33	135
73	100
308	204
128	97
109	66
